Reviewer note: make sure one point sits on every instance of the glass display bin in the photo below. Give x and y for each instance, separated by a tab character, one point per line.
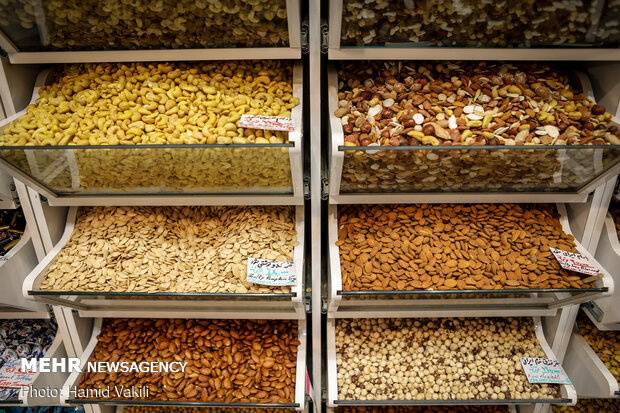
169	174
567	392
457	301
381	28
271	305
465	173
300	381
49	31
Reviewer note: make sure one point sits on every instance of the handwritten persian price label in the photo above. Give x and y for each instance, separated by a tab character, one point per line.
269	272
267	122
540	370
573	261
11	375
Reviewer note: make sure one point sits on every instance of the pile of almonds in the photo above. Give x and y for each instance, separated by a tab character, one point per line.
229	361
466	103
452	247
200	249
437	359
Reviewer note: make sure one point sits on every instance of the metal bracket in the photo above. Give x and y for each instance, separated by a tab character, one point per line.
324	37
307	190
305	36
323	305
324	189
13	190
594	309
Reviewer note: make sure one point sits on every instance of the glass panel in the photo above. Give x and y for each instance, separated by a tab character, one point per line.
157	169
374	169
45	25
475	23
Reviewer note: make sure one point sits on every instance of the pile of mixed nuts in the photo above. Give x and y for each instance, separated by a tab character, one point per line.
466	103
437	359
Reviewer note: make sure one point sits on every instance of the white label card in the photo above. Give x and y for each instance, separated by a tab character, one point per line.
267	122
269	272
540	370
573	261
12	376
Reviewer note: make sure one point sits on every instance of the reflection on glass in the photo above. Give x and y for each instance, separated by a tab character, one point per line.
34	25
479	23
466	169
156	170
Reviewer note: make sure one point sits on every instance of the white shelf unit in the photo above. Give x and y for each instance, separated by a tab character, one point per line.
605	312
168	305
51	212
300	379
591	378
569	396
418	304
64	163
293	51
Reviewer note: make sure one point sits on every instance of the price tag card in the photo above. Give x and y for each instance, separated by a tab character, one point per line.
12	376
269	272
573	261
267	122
540	370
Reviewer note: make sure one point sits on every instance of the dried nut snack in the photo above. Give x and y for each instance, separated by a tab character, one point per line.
472	23
180	409
437	359
89	25
466	103
156	103
452	247
229	361
423	409
590	406
606	344
172	249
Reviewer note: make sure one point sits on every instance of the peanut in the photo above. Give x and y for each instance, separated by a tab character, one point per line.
590	406
208	346
423	409
172	249
437	359
452	247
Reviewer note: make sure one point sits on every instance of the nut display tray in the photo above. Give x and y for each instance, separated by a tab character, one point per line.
605	311
453	303
50	32
422	174
568	394
168	304
205	174
300	380
588	373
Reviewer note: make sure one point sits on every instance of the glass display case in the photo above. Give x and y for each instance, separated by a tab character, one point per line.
57	30
464	173
248	172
